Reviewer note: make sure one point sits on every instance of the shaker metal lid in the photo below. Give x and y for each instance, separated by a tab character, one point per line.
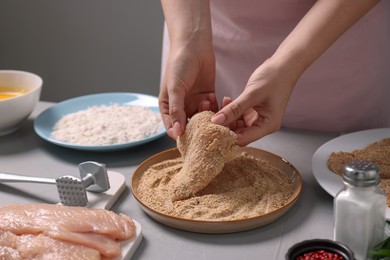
361	173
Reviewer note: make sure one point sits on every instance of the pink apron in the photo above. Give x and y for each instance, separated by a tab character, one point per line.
346	89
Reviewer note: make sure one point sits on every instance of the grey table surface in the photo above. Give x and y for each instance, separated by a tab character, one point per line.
24	152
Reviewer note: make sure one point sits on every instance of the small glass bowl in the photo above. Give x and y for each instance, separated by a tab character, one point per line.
313	245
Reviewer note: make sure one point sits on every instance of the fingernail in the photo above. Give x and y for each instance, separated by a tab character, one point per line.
224	99
176	129
212	97
205	105
218	119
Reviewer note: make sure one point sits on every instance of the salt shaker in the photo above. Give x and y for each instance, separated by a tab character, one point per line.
360	208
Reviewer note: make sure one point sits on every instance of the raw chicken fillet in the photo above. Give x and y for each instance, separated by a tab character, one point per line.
45	231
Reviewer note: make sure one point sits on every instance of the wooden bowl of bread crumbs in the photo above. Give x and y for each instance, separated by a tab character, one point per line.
253	190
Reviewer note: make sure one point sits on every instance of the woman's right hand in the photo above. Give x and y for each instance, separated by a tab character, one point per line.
188	85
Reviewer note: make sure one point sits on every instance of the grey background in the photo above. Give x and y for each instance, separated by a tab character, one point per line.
83	47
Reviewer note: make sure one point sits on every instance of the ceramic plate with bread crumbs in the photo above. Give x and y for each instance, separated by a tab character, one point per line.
247	187
107	125
102	122
241	197
352	144
213	179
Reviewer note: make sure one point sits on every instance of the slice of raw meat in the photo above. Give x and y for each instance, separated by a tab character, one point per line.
36	218
41	247
106	246
45	231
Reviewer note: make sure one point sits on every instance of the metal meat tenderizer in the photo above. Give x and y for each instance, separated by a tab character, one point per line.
71	190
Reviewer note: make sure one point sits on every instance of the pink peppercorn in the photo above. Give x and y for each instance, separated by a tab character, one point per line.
320	255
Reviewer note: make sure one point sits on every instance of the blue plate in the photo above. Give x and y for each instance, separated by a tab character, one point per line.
44	123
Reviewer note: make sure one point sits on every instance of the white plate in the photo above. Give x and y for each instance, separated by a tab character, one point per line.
129	247
44	123
331	182
106	200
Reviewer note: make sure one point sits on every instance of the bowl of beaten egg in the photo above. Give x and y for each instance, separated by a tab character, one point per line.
19	94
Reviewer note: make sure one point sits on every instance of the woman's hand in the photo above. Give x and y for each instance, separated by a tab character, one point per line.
259	110
188	85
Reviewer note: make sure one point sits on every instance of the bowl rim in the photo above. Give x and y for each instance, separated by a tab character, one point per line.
33	89
316	244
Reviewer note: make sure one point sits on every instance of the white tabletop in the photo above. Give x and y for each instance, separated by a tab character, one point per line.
23	152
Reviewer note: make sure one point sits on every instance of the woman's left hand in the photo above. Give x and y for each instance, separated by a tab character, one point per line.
260	108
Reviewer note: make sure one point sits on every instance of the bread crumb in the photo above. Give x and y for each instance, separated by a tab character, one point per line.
205	148
107	125
378	153
247	187
213	179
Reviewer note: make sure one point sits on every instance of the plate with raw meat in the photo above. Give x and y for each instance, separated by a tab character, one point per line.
55	231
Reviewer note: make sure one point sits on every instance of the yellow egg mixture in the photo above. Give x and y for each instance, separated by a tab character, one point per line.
9	92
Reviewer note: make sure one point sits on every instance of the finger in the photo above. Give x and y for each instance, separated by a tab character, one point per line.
168	123
205	105
262	127
171	134
164	107
226	101
213	102
250	116
176	110
210	104
247	135
219	118
164	111
237	125
177	129
233	110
